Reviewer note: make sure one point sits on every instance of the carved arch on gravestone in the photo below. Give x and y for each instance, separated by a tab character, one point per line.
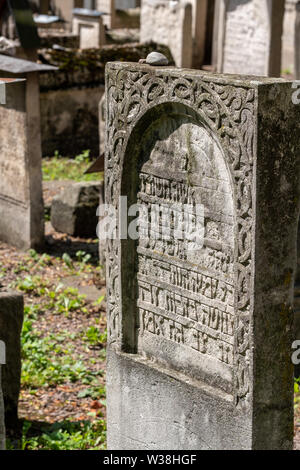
227	112
171	142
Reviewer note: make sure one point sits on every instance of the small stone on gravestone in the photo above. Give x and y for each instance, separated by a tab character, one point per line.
74	210
156	58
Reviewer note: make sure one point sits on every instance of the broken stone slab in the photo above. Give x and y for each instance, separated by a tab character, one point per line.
74	210
11	322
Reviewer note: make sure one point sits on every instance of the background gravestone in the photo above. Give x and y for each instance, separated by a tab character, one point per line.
21	198
2	420
199	352
297	42
247	37
288	37
88	25
170	24
11	322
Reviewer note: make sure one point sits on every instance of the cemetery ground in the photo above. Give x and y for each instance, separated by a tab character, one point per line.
62	401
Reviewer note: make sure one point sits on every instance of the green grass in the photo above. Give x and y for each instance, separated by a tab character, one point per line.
62	168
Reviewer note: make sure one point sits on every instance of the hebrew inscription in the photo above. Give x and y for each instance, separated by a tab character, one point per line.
186	290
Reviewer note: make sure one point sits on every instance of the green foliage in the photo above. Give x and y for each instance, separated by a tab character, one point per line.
68	260
66	301
33	284
48	361
94	336
82	435
96	393
297	386
62	168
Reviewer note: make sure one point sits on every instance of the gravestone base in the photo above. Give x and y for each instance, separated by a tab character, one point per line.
151	408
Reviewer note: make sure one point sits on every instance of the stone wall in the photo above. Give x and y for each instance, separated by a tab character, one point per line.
70	97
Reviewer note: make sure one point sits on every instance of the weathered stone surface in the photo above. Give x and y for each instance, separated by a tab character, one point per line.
21	201
200	335
74	210
248	37
11	321
170	24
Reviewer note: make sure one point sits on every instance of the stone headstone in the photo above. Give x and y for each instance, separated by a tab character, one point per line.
74	210
170	24
108	8
64	9
11	321
21	199
88	25
200	327
247	37
118	14
288	37
200	9
297	42
2	417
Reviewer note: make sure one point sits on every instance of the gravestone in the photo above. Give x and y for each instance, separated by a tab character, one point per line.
21	199
297	42
247	37
11	321
200	9
2	420
288	37
64	9
200	329
170	24
88	25
118	14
